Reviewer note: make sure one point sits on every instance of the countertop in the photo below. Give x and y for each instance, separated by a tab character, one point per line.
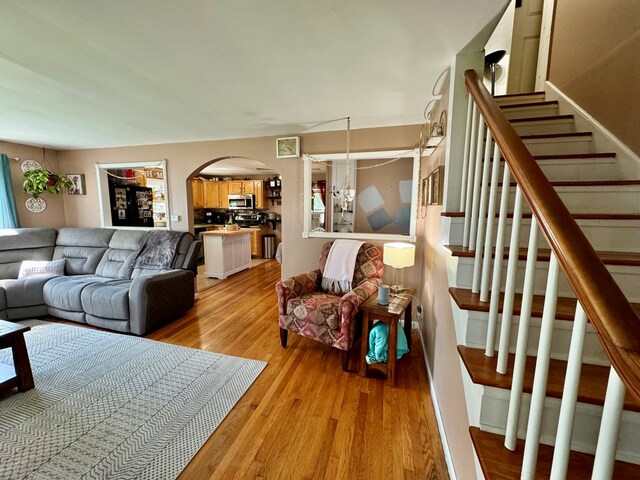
225	233
214	226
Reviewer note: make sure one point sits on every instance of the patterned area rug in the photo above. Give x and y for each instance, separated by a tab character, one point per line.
114	406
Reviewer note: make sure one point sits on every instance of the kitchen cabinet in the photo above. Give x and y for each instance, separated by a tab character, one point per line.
236	187
224	194
212	194
197	190
256	240
258	191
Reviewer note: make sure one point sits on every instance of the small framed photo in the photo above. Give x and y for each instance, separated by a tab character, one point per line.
77	184
437	185
425	191
288	147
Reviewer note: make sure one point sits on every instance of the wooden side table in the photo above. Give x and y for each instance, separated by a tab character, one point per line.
12	336
390	315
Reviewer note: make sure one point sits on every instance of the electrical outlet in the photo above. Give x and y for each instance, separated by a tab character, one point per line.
175	218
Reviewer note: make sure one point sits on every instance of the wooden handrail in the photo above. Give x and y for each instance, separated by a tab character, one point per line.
604	303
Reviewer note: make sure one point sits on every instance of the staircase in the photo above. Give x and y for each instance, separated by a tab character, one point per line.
519	326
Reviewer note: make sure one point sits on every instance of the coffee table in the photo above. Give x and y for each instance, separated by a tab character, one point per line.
12	336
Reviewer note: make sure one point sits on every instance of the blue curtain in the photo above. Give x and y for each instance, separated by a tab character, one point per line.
8	212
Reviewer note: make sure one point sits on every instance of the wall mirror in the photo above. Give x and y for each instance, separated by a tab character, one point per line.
133	195
371	196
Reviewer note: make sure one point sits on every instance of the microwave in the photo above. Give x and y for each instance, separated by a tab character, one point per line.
241	202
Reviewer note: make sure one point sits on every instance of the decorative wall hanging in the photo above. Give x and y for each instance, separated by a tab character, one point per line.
288	147
30	165
35	205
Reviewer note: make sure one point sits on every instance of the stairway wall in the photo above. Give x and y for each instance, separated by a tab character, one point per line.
594	60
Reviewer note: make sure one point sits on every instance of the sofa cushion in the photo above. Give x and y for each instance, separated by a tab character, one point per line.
18	244
64	293
24	292
41	268
107	300
316	308
117	261
82	248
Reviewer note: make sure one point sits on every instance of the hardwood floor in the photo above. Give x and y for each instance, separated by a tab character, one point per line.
304	418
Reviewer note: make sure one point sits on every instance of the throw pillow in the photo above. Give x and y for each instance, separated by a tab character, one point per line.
37	268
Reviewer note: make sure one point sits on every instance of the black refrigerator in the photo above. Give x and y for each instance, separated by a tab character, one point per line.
131	206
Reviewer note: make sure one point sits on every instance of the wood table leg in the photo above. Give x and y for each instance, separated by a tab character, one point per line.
21	363
392	352
364	345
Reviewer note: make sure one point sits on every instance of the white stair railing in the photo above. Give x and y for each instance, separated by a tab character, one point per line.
479	196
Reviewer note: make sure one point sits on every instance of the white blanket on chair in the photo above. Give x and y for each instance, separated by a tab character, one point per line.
341	262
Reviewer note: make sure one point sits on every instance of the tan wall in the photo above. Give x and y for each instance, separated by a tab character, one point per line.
437	327
186	158
595	60
53	216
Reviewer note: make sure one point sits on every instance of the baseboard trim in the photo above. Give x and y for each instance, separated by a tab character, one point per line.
436	406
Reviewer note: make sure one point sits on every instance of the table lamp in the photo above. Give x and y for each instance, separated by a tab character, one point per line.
398	255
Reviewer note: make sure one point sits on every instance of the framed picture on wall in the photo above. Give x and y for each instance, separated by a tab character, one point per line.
425	192
437	184
77	184
288	147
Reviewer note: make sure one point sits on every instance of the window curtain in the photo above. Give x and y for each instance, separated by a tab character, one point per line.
8	212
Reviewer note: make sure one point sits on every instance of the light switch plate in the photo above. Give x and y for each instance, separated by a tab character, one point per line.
175	218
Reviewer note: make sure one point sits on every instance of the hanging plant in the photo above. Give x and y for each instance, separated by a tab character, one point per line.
40	180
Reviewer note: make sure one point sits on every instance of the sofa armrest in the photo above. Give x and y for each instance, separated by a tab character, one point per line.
156	299
350	302
297	286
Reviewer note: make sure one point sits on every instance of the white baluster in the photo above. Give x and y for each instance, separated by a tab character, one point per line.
538	395
482	213
467	148
476	184
469	186
494	305
491	213
520	362
569	396
512	266
609	428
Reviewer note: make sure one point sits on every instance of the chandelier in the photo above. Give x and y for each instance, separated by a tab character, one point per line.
345	194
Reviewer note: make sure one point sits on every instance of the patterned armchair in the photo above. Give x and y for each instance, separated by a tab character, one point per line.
305	309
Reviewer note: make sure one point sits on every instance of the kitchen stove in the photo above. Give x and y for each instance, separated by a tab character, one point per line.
250	219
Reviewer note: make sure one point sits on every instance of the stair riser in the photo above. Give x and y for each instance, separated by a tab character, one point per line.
493	414
596	169
627	278
476	335
559	146
533	97
604	235
530	112
544	126
616	199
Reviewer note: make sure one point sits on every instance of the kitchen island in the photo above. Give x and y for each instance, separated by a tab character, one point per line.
226	252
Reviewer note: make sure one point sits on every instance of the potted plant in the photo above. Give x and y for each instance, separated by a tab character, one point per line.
40	180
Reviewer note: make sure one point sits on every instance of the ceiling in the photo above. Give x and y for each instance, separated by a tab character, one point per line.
104	73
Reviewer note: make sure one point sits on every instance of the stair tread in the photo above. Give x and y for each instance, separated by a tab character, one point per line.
535	136
541	119
587	183
608	258
531	104
565	308
592	387
498	463
576	216
512	95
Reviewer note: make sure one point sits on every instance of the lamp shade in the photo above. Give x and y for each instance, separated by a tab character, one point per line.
399	255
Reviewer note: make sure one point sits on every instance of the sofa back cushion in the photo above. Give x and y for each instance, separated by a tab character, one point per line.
18	244
82	248
117	261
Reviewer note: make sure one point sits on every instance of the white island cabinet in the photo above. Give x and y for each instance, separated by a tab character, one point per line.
226	253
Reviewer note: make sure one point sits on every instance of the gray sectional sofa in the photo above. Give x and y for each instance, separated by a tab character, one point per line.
113	279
